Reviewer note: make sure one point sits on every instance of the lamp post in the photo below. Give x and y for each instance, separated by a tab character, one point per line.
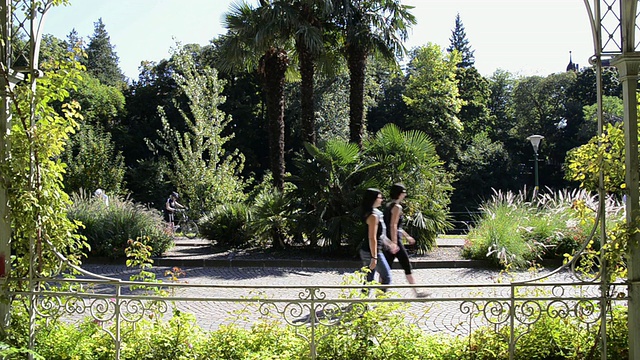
535	142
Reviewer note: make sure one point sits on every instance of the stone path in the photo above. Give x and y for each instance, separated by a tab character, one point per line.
216	295
219	288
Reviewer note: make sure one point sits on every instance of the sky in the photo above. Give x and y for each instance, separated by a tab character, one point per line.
525	37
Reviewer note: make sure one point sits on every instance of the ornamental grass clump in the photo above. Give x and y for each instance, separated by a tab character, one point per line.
514	232
498	235
108	228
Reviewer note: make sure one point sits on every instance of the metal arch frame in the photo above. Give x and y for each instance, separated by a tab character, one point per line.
507	305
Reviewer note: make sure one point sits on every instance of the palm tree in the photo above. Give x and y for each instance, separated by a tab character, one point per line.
257	40
312	17
369	27
309	23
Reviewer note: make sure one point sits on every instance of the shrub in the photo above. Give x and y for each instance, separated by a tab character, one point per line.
108	228
227	224
272	214
329	180
327	187
410	157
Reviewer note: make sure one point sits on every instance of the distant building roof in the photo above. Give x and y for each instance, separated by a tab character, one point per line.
571	66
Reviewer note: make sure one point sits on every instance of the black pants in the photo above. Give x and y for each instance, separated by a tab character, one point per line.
402	255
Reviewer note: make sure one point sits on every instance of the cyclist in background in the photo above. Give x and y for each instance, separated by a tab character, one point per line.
170	208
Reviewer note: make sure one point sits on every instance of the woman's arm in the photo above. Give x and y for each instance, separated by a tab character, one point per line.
372	226
396	210
409	238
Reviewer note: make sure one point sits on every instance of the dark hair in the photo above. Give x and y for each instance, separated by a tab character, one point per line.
396	190
369	198
175	195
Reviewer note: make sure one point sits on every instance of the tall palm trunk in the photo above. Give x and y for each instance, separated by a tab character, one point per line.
307	73
357	62
273	65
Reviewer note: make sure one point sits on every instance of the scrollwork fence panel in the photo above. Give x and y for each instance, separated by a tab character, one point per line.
509	308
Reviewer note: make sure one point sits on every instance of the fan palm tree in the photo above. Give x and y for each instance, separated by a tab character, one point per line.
312	20
257	40
410	157
310	25
369	27
266	33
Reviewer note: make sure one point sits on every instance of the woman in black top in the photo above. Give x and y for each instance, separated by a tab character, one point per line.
393	220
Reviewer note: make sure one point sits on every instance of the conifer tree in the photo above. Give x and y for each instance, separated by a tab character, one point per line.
75	41
460	42
102	61
473	87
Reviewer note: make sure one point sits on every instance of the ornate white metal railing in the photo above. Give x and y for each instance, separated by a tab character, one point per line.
454	309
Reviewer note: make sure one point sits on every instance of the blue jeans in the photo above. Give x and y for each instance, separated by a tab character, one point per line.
382	267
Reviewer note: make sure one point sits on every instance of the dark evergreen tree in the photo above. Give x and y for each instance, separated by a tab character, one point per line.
473	87
102	61
75	43
74	40
460	42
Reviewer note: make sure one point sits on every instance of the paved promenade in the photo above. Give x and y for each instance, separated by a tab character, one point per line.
216	287
213	294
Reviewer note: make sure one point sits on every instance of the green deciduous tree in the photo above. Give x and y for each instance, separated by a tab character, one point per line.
501	84
602	153
92	162
483	165
432	98
33	172
612	113
472	87
389	107
475	94
102	105
543	105
202	170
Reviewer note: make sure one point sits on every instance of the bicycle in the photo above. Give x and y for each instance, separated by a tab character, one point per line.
186	226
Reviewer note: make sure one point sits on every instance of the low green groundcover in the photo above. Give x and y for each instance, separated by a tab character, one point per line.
378	331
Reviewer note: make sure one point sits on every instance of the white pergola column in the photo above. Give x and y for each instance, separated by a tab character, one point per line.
614	29
628	65
5	128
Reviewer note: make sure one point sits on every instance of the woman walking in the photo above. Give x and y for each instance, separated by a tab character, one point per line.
393	220
371	248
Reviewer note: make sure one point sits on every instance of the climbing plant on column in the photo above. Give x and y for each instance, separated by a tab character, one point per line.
33	171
